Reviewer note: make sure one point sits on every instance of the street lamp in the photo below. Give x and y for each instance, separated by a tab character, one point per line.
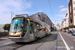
11	15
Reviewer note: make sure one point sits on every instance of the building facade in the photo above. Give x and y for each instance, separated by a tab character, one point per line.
72	12
42	17
63	24
58	27
67	20
70	16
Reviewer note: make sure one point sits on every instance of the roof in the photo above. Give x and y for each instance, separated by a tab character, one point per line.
38	21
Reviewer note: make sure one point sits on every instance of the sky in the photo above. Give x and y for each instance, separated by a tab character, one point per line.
56	10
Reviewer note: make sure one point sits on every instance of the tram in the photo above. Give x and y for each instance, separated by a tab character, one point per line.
27	29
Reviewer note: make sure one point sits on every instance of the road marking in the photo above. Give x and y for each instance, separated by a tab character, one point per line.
67	47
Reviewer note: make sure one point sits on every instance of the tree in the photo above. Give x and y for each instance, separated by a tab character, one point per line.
6	27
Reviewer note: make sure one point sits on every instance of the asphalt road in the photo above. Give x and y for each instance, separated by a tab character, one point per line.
50	42
45	43
69	39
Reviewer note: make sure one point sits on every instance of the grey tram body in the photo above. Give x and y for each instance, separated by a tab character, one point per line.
28	37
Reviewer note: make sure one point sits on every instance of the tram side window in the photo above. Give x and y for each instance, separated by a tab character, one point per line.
34	25
31	28
43	29
25	29
39	27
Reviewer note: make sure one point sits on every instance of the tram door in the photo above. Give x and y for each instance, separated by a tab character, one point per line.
25	29
31	28
31	31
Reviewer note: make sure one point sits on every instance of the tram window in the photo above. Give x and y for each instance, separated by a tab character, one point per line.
31	28
25	29
38	27
35	27
43	29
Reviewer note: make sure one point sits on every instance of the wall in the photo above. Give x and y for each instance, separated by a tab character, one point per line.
3	33
74	11
43	17
71	22
67	20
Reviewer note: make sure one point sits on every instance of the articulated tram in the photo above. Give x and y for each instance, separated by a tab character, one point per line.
27	29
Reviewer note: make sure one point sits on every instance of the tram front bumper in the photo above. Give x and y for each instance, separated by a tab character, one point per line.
16	39
19	39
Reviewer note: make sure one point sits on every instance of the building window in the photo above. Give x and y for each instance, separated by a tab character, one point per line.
70	15
36	15
70	9
71	21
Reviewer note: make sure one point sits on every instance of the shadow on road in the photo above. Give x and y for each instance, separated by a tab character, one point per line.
48	38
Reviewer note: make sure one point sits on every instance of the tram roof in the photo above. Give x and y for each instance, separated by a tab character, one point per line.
36	20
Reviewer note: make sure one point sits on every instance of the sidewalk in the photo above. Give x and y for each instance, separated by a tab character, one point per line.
3	37
3	33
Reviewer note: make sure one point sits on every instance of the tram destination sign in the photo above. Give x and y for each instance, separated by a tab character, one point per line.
17	18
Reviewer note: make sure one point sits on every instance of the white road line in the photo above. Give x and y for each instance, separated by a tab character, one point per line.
67	47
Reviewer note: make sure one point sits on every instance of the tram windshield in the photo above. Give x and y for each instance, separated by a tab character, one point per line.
16	25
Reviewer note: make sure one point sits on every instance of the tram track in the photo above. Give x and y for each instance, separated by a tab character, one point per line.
11	46
14	46
22	44
39	46
37	43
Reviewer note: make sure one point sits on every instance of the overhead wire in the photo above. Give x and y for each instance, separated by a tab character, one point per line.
33	5
50	7
66	3
19	5
17	2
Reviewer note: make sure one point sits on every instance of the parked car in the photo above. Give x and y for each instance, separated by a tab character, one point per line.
73	33
69	32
